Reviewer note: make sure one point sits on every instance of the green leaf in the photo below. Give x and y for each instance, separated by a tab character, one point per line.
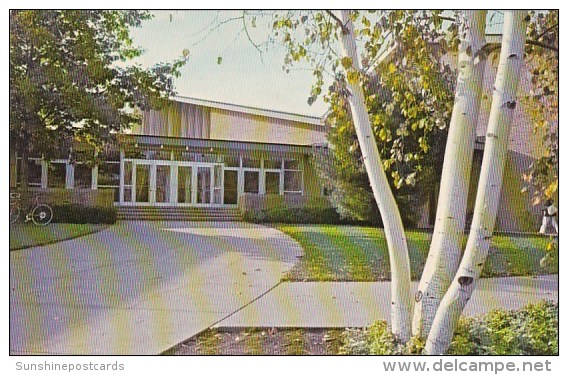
346	62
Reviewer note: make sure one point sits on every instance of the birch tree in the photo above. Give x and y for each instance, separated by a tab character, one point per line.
490	182
445	248
401	303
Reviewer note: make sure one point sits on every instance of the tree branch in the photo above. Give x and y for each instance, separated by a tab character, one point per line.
545	32
489	48
344	29
543	45
245	28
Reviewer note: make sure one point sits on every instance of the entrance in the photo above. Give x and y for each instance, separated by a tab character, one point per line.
172	183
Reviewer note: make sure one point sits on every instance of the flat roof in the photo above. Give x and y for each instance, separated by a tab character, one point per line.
157	141
314	120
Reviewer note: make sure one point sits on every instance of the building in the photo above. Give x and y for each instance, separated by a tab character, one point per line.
208	154
194	153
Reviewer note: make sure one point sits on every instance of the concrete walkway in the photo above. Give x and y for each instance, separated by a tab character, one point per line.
357	304
139	287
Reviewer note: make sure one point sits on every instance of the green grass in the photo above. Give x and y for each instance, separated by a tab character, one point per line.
351	253
27	235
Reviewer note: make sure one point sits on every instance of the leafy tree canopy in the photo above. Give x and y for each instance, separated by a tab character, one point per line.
542	102
409	89
69	80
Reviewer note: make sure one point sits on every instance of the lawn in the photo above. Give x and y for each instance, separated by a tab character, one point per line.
28	235
351	253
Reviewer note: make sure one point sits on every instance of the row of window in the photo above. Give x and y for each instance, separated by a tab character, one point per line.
268	176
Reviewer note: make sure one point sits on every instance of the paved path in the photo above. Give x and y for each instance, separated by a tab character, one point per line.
139	287
357	304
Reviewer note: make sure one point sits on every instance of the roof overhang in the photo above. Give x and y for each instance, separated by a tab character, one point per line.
313	120
207	144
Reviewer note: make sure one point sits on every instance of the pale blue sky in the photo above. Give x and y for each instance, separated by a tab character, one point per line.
242	77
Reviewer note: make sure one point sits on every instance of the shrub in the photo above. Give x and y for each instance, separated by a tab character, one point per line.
381	341
306	215
80	214
532	330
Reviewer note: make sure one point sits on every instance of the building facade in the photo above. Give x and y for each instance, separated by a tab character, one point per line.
195	153
200	153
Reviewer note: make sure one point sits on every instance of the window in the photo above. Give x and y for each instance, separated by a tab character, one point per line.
251	182
293	177
272	182
291	164
231	161
272	163
34	171
249	162
109	177
292	182
158	155
57	171
83	176
231	183
127	181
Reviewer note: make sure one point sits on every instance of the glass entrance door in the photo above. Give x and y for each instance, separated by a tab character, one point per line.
231	192
184	184
142	183
204	182
218	184
162	183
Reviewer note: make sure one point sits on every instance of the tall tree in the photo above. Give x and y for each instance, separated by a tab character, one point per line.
445	248
503	106
69	80
401	302
403	36
417	88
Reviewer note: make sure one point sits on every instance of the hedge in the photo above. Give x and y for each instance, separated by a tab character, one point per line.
80	214
305	215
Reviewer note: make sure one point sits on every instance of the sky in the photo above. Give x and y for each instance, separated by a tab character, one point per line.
243	77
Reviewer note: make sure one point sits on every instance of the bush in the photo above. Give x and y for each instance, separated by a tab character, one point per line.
80	214
309	215
532	330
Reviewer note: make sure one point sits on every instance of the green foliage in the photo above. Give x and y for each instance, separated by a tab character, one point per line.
79	214
409	96
542	103
532	330
378	340
381	340
69	82
307	215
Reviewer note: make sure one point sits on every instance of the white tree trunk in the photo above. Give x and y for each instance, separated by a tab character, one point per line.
445	248
490	183
401	298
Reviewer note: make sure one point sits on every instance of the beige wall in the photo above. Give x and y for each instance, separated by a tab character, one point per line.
522	137
235	126
176	120
191	121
